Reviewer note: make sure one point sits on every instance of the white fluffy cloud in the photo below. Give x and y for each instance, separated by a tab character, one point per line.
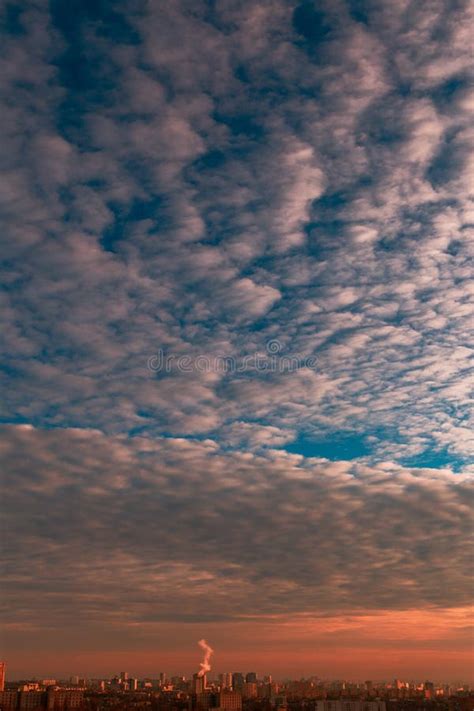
202	181
221	183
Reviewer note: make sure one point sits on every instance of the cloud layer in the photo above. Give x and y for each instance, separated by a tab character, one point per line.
183	531
203	179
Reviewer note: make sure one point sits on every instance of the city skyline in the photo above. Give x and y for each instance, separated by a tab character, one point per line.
231	692
233	680
237	337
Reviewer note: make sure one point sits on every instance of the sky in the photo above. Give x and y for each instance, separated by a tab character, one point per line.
237	320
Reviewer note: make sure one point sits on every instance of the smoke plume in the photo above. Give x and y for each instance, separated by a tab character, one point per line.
205	665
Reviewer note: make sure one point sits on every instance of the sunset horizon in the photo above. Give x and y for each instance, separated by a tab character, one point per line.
314	647
320	665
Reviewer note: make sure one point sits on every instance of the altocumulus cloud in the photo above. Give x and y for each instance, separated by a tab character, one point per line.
204	178
165	524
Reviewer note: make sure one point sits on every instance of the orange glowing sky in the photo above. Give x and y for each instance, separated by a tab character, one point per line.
411	644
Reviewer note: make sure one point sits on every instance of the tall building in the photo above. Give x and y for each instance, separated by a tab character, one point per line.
230	700
199	683
225	680
205	701
237	681
2	675
251	677
250	690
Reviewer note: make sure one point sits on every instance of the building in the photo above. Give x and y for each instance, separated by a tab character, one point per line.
8	700
346	705
51	700
250	690
2	675
64	699
199	683
267	691
251	677
238	681
225	680
280	703
204	701
31	700
230	700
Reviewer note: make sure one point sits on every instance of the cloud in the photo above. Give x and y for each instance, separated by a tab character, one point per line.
275	533
250	435
209	195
